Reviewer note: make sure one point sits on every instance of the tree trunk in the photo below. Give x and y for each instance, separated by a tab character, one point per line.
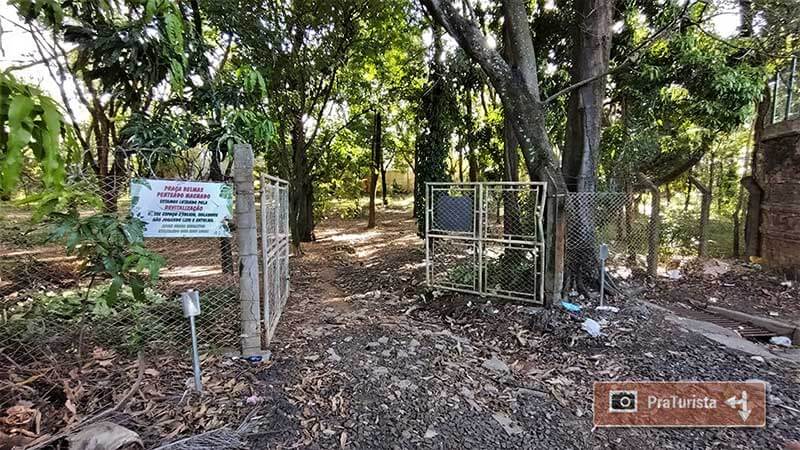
225	243
705	207
518	88
384	188
737	227
375	164
688	195
591	51
510	200
301	195
433	142
654	235
414	189
108	173
472	156
461	162
630	219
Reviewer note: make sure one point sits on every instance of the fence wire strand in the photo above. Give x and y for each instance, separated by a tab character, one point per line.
50	318
616	219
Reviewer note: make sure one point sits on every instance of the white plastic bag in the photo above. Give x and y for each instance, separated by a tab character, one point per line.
783	341
591	327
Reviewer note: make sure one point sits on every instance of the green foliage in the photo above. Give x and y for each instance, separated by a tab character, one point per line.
166	132
128	326
79	194
514	270
342	172
70	304
109	247
30	121
680	230
127	47
437	116
461	274
687	88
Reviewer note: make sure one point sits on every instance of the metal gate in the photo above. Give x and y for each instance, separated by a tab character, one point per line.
274	249
486	238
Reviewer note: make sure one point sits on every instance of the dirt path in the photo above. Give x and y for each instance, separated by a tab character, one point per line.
362	360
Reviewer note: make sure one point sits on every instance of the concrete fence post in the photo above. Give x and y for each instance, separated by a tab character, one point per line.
247	238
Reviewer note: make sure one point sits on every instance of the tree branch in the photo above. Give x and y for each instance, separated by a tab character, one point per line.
328	140
523	55
628	59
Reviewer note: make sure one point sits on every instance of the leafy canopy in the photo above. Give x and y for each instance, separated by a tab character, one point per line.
30	121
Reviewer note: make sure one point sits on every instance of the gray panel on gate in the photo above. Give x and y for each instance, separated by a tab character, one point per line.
454	213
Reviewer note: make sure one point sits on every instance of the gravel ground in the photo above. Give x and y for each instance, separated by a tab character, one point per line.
365	358
742	287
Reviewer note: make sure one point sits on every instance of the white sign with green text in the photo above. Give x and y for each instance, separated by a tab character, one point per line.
171	208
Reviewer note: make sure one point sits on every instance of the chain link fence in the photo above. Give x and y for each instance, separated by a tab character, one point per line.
54	317
274	209
486	239
620	220
49	298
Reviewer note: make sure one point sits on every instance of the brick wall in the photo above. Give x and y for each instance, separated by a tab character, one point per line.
778	174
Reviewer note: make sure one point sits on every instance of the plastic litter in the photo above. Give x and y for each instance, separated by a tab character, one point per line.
571	307
674	274
591	327
612	309
783	341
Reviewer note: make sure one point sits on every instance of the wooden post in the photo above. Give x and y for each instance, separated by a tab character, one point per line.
705	210
555	235
247	237
653	240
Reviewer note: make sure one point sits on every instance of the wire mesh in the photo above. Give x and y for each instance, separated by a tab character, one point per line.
454	263
48	296
513	270
612	218
64	347
486	238
513	211
275	250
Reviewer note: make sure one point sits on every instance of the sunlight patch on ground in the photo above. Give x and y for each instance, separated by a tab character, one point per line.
413	266
367	252
407	238
350	237
191	272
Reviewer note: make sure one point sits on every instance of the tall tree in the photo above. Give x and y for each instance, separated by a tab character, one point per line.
436	119
376	167
591	51
303	47
517	84
689	87
124	52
